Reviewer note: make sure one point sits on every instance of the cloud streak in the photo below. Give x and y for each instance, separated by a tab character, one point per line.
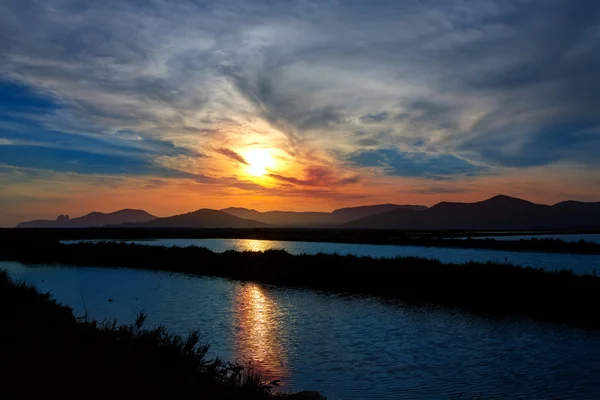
437	71
317	176
231	154
348	92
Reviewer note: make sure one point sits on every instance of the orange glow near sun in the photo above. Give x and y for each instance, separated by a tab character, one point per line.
260	161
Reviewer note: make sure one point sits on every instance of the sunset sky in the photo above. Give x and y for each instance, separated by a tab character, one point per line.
171	106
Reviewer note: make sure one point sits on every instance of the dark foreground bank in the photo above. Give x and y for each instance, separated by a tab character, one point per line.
46	353
487	288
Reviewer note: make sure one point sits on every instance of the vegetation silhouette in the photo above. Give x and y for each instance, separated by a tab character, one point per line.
447	239
47	353
489	288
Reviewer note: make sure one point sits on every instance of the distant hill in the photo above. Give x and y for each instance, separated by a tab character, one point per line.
93	219
497	213
315	219
203	218
282	218
578	213
344	215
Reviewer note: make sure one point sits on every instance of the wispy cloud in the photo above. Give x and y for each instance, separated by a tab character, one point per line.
422	90
317	176
439	71
231	154
415	164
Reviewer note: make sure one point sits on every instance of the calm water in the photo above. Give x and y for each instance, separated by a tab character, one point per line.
579	263
588	237
349	348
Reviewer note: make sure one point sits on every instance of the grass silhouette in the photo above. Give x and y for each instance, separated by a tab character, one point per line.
488	288
46	353
447	239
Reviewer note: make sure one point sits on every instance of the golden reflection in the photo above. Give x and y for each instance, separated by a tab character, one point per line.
258	335
257	245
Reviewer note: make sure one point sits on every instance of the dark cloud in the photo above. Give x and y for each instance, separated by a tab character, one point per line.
289	179
420	113
350	180
374	118
293	113
367	142
231	154
317	176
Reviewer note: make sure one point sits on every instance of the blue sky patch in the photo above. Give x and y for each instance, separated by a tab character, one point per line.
414	164
17	97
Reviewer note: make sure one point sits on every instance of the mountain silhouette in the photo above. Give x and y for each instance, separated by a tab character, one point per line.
281	218
343	215
203	218
578	213
497	213
93	219
315	219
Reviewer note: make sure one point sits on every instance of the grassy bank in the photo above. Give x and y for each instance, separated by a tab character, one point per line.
46	353
480	287
446	239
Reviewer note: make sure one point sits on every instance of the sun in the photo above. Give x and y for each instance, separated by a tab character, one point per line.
259	161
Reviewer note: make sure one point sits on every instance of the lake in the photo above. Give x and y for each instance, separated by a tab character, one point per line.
347	347
569	237
580	263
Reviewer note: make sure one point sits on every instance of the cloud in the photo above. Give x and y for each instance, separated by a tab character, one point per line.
82	162
414	89
316	176
540	145
378	117
422	165
155	184
231	154
439	71
440	190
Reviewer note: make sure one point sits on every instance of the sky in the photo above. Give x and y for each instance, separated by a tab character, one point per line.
172	106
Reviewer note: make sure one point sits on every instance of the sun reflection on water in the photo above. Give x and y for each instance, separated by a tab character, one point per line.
257	245
258	335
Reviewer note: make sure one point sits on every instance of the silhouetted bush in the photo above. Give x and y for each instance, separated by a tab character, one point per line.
46	353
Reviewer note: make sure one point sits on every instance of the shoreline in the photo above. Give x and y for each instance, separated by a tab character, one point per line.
484	288
371	237
48	352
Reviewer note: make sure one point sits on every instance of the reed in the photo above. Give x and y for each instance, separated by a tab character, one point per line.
47	353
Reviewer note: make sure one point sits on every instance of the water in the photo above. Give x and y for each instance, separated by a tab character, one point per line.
348	347
580	263
588	237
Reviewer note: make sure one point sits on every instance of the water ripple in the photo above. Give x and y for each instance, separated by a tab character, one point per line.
348	347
